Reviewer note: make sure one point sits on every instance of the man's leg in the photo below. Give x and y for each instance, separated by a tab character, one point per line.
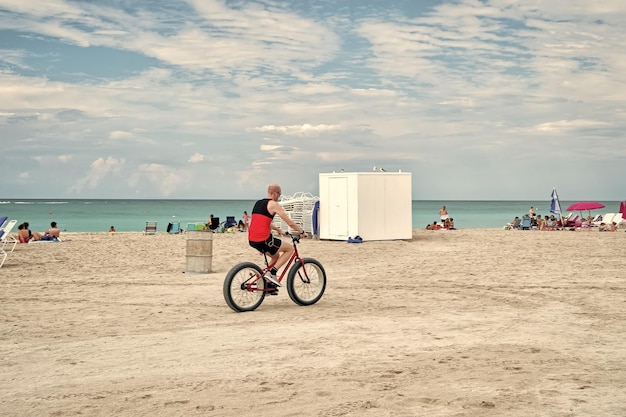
286	249
274	258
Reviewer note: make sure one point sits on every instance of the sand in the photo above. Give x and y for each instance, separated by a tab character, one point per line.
452	323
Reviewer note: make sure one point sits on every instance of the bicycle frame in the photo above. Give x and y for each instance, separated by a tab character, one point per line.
295	257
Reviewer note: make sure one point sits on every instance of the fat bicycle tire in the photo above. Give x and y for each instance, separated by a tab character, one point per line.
301	290
236	295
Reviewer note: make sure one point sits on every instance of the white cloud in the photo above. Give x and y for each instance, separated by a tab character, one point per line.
119	134
299	130
98	170
563	126
269	148
196	157
162	177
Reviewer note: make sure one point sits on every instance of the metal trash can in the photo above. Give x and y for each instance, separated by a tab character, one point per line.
199	251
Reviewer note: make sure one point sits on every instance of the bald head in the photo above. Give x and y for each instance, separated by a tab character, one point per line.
274	191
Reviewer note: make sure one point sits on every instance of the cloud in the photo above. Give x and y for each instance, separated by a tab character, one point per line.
98	170
196	157
119	134
163	178
299	130
269	148
564	126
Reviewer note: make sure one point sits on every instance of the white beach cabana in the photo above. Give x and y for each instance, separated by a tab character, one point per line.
372	205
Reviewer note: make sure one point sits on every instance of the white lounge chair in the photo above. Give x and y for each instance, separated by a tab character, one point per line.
3	253
619	220
7	239
606	219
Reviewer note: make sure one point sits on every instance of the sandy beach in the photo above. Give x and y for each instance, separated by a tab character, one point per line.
451	323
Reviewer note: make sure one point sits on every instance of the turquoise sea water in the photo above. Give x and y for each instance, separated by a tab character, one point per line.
131	215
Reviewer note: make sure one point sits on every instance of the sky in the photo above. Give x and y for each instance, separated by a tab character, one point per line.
216	99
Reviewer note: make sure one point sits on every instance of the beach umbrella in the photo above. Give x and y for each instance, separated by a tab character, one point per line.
555	204
622	209
585	205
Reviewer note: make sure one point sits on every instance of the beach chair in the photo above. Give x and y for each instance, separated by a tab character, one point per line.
612	217
2	220
230	222
526	223
571	221
151	228
3	253
604	218
7	239
173	228
515	224
215	224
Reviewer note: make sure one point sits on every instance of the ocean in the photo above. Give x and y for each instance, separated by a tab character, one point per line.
76	215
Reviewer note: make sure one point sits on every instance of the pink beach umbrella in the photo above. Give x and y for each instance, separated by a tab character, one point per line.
622	209
585	205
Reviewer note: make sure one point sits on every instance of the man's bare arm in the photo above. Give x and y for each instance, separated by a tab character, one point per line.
278	209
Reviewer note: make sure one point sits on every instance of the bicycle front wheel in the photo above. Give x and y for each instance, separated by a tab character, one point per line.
306	282
242	290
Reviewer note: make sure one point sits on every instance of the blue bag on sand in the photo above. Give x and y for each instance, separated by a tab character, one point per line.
356	239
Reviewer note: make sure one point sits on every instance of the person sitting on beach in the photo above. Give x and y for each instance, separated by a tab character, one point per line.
31	235
246	220
53	232
612	227
241	226
433	226
112	229
22	234
587	223
602	227
451	224
516	223
548	223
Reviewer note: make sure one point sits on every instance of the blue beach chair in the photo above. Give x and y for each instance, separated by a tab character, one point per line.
230	222
173	228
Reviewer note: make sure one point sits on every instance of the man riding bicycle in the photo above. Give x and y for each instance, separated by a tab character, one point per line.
260	232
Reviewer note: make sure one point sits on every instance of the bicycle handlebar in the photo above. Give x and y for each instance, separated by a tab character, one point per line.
295	237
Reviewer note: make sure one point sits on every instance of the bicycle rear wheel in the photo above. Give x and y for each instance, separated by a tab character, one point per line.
306	282
242	290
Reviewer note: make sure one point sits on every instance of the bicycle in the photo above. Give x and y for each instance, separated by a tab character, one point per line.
245	289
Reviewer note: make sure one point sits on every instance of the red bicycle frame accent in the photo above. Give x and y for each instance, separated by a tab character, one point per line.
295	256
